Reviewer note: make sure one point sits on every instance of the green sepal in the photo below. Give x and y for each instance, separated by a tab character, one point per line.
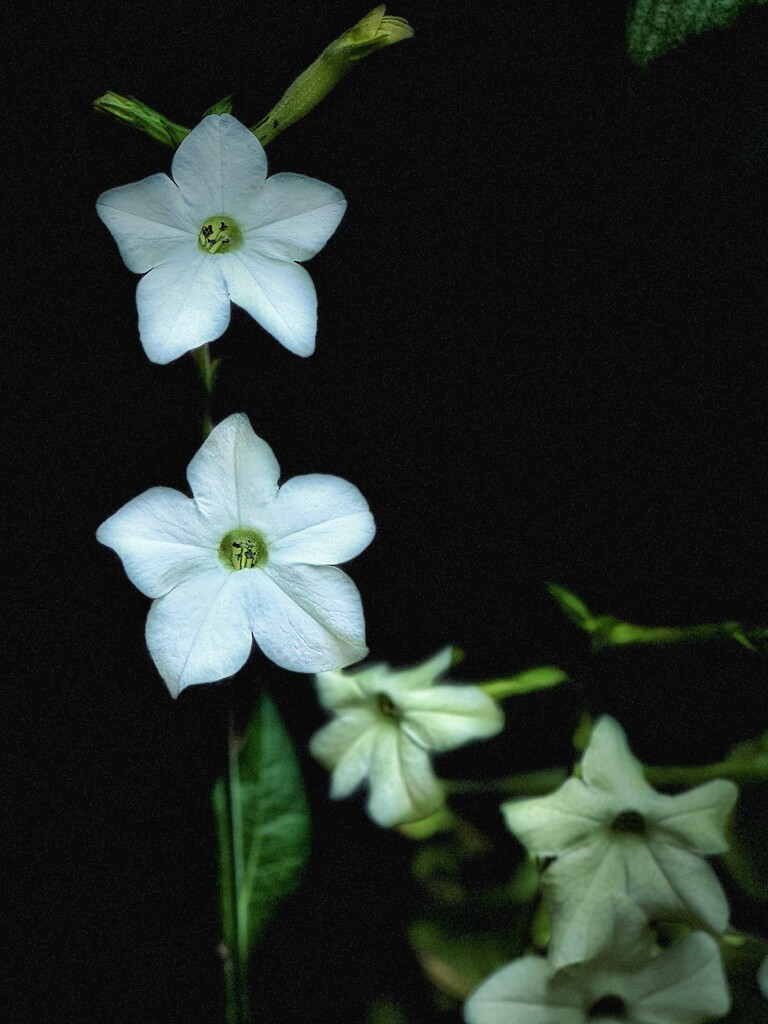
573	607
222	107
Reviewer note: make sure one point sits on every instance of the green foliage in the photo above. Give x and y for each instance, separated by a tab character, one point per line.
742	955
656	26
269	841
748	841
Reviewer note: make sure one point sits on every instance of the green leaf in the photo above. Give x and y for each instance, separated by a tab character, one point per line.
269	843
656	26
748	841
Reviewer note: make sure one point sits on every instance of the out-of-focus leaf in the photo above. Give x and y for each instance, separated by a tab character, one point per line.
656	26
746	857
742	961
269	843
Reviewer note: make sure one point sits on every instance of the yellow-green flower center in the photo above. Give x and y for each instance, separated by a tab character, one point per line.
387	706
220	234
243	549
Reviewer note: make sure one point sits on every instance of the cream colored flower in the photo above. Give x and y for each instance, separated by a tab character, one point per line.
612	836
387	725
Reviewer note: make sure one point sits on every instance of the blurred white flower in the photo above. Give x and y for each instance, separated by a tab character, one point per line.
684	984
218	232
386	726
614	836
245	558
762	977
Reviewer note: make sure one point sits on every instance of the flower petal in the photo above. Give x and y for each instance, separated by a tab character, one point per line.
403	785
567	818
218	167
583	891
293	216
306	618
422	675
278	295
677	882
444	717
696	818
234	474
524	992
198	632
686	983
162	540
346	746
149	221
339	690
317	520
609	765
182	305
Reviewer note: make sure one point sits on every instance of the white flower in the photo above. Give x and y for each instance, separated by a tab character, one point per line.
387	724
684	984
244	558
220	232
614	836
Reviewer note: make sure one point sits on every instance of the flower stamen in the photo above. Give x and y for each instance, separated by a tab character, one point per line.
387	706
243	549
219	235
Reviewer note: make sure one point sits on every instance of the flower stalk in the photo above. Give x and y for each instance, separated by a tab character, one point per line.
610	631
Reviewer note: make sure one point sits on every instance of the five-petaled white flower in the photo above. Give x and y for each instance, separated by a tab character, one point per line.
245	558
614	836
387	724
684	984
218	232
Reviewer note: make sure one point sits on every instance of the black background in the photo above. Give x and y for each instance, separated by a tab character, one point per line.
540	356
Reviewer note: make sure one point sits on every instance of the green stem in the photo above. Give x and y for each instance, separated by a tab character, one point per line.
539	783
238	1010
207	368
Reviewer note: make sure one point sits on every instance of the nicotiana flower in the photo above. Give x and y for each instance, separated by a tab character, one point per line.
684	984
614	836
245	558
386	726
218	232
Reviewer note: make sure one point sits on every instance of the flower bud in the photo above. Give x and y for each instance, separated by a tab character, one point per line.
373	32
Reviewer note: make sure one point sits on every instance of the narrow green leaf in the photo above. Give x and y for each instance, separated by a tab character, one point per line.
656	26
271	840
